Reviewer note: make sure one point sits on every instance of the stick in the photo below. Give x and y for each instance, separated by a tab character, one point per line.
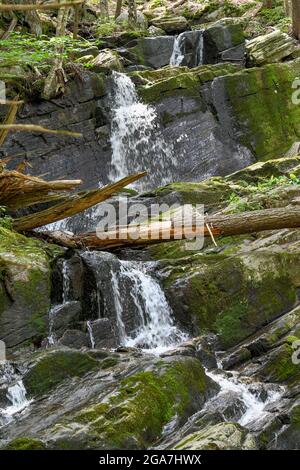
49	6
35	128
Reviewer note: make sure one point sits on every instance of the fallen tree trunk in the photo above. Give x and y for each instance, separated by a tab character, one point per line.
40	6
217	225
72	205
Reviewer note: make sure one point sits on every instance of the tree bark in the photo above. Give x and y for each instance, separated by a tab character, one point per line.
118	8
132	13
104	9
296	18
217	225
72	205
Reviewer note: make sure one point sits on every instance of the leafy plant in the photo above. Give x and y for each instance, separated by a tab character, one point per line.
5	220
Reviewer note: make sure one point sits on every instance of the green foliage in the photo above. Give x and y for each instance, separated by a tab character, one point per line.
5	220
275	17
54	368
24	443
240	203
27	50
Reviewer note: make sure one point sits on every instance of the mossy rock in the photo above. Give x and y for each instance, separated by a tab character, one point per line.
232	295
261	95
222	436
55	367
280	367
157	84
24	443
25	286
133	416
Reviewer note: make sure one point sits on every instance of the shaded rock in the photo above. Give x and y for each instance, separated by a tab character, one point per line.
224	39
65	316
74	339
244	284
171	24
154	52
102	333
259	95
24	289
270	48
106	61
142	21
53	368
154	31
223	436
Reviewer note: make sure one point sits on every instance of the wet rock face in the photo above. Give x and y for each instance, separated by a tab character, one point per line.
24	290
147	394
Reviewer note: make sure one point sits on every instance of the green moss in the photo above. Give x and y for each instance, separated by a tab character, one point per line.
54	368
280	367
235	295
264	95
24	443
109	362
135	415
170	80
295	416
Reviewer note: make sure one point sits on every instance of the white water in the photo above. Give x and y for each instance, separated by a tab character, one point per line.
91	335
16	392
17	396
136	139
156	331
180	47
255	406
65	299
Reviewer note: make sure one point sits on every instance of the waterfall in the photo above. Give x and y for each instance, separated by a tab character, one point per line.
177	57
188	49
16	392
136	138
156	330
91	334
66	291
255	406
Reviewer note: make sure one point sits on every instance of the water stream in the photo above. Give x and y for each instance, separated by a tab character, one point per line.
16	393
136	138
156	330
255	405
188	49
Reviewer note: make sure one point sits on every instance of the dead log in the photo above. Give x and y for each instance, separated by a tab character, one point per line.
39	6
72	205
217	225
34	128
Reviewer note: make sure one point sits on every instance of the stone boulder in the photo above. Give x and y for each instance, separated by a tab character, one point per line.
142	21
269	48
224	40
171	24
222	436
154	52
106	61
25	285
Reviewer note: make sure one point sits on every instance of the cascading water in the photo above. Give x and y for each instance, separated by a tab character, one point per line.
136	139
16	392
65	299
188	49
254	405
156	330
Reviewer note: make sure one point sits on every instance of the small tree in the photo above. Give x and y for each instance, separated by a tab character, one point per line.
104	9
296	18
118	8
132	13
